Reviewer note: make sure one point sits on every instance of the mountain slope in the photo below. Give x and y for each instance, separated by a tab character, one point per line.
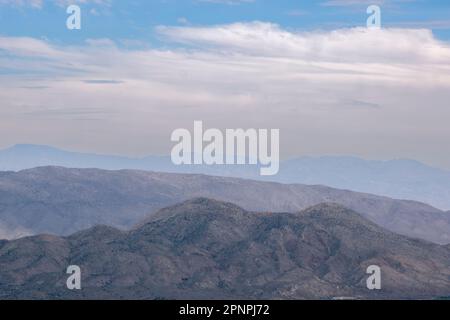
62	201
208	249
400	179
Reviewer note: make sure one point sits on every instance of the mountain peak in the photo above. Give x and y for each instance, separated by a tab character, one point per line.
338	214
99	231
199	205
207	202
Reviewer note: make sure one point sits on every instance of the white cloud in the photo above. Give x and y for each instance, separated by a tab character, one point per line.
345	45
38	4
23	3
376	93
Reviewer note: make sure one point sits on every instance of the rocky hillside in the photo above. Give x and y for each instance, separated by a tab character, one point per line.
208	249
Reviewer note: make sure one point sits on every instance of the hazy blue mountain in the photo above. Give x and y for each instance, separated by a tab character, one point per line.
401	179
206	249
27	156
61	201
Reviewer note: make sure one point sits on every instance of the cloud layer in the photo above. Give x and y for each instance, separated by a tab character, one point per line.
375	93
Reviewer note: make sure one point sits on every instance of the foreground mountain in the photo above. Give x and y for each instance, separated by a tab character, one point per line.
400	179
208	249
61	201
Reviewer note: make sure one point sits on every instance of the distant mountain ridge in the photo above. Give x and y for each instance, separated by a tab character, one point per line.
207	249
61	201
400	179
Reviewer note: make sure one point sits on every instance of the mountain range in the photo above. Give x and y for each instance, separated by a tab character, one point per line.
400	179
61	201
207	249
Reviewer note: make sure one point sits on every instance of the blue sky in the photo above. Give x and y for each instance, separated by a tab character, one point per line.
137	70
118	19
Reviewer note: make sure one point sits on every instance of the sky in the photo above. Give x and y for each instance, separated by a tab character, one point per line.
137	70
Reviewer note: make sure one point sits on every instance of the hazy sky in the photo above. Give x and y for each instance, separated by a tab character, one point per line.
137	70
